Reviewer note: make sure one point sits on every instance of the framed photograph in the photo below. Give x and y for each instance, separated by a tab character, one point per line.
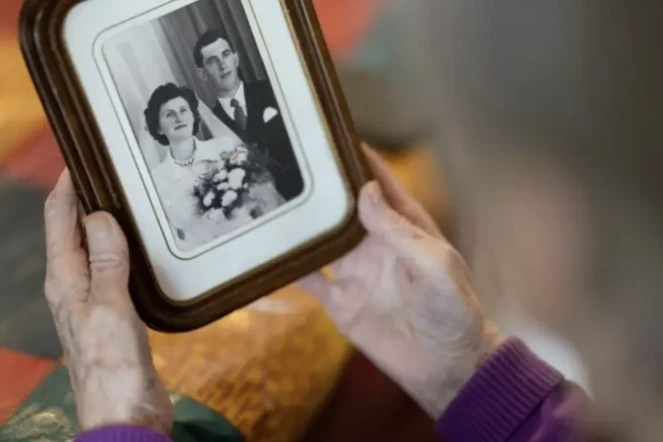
214	130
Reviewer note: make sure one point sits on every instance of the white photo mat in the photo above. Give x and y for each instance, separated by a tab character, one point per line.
325	204
154	14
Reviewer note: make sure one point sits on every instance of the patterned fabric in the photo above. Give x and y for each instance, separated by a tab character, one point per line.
20	374
50	412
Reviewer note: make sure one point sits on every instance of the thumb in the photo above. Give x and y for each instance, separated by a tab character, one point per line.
408	241
108	254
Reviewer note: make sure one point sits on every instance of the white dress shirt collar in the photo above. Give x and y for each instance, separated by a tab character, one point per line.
240	96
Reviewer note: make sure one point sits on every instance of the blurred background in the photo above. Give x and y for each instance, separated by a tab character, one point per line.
292	377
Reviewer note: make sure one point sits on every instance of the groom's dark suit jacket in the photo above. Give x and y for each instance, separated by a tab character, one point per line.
270	138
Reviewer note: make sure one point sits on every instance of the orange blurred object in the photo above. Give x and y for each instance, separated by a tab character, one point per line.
346	22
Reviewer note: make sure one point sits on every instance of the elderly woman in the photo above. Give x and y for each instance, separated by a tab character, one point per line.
552	141
173	118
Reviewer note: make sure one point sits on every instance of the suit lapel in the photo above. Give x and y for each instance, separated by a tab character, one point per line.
253	106
220	112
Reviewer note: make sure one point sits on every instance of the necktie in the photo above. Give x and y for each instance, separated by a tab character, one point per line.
240	116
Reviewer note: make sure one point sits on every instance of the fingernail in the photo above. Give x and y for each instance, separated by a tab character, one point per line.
97	227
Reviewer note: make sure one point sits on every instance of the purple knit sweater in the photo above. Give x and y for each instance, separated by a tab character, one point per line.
514	397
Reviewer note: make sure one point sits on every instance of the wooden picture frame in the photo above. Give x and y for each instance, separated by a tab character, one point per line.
71	113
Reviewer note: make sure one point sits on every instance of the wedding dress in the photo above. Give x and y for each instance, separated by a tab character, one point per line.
175	185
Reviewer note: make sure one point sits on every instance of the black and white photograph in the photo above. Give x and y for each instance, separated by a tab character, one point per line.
206	117
217	136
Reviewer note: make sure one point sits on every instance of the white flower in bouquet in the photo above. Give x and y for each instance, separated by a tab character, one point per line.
209	198
236	178
221	175
223	186
228	198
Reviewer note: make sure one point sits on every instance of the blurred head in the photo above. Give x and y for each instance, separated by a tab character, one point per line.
217	61
172	114
551	142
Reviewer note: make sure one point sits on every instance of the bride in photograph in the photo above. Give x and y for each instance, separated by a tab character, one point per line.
207	187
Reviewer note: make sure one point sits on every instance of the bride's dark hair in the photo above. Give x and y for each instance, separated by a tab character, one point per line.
162	95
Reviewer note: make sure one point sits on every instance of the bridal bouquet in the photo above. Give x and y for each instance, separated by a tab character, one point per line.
225	185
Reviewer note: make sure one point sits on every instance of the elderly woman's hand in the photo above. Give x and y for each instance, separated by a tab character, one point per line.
104	340
404	297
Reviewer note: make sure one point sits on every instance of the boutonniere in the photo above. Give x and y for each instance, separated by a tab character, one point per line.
269	113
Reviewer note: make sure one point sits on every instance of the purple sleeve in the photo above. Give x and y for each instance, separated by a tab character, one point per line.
514	397
122	434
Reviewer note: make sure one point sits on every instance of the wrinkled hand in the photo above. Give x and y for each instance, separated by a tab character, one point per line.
104	341
404	297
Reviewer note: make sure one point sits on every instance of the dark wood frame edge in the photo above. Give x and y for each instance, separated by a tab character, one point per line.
97	186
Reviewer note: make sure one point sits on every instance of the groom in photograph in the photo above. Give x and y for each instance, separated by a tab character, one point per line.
249	109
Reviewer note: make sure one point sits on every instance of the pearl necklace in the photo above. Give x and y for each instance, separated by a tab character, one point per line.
186	163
